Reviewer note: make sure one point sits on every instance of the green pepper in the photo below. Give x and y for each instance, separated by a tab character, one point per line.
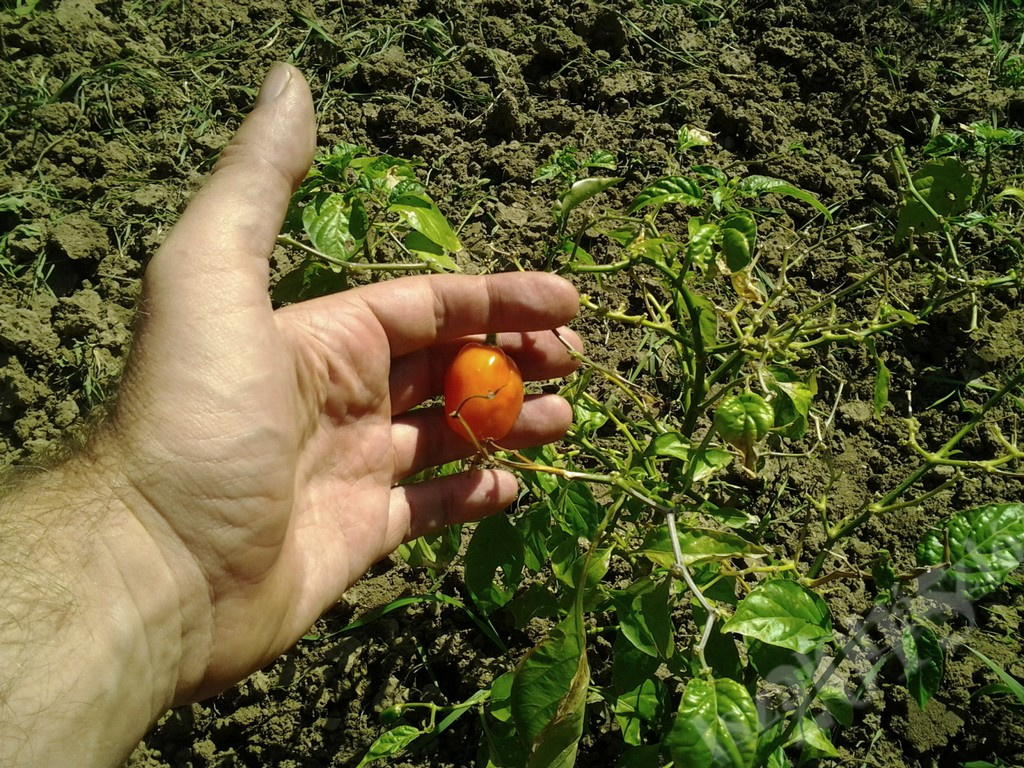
392	715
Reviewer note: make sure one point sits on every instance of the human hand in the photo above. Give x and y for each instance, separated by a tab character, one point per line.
262	449
249	471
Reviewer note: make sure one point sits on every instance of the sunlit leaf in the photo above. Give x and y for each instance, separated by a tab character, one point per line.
743	421
716	726
739	233
673	445
698	545
602	158
707	317
815	741
984	545
549	694
782	612
755	186
792	401
669	189
880	397
326	221
700	247
580	192
390	743
431	252
578	511
420	213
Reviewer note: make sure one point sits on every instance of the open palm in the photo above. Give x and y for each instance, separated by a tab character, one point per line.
263	449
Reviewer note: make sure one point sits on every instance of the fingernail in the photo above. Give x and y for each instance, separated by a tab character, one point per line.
276	81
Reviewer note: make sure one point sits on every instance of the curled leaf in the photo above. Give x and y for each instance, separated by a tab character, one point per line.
743	421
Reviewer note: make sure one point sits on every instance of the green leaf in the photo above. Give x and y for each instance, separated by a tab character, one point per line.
707	317
838	704
494	563
431	252
770	751
816	743
588	415
577	511
326	221
434	550
1010	682
637	709
587	573
791	402
647	756
985	546
580	192
576	253
505	749
946	186
716	726
549	694
668	189
925	662
742	421
782	665
630	665
698	546
645	617
312	278
602	158
739	233
710	172
782	612
1014	193
672	445
885	578
881	392
700	248
755	186
390	743
359	221
420	213
636	694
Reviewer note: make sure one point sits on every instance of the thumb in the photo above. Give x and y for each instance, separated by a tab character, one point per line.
217	254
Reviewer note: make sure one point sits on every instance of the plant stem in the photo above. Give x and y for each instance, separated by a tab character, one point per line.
355	266
888	503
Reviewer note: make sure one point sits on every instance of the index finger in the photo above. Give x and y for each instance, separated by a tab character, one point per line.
416	312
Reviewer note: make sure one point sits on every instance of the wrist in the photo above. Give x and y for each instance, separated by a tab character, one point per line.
96	636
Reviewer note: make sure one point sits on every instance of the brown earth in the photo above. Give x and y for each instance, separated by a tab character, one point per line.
112	112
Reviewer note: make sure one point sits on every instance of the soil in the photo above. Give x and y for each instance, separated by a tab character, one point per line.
112	113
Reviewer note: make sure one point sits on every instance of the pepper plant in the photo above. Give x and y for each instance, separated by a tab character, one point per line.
358	212
677	601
